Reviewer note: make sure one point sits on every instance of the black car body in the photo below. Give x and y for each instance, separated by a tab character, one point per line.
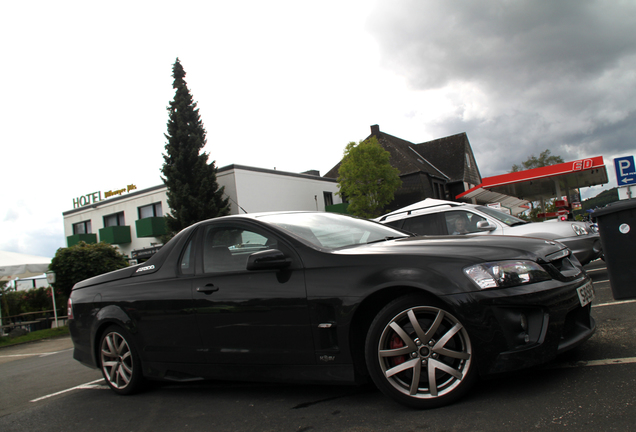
317	297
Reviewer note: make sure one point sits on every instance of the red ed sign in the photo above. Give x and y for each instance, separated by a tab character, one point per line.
582	164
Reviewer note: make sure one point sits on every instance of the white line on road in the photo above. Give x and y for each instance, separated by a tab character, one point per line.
20	355
614	303
605	362
56	352
89	385
595	270
35	354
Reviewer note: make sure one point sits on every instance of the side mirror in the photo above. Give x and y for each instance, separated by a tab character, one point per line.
267	260
485	226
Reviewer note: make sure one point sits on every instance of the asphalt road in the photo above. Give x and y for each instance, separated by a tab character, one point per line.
592	388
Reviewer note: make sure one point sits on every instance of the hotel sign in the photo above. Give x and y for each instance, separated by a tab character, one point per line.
95	197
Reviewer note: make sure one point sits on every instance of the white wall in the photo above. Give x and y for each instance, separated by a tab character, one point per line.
264	191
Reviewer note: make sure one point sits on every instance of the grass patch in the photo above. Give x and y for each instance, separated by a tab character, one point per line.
34	336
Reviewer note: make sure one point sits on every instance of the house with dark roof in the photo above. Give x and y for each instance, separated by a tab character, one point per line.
442	168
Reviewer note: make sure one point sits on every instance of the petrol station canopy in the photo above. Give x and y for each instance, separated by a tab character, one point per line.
514	190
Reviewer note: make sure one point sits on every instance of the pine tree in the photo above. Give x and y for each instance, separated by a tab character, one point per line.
193	192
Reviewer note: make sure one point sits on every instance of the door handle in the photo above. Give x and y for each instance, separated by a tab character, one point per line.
208	289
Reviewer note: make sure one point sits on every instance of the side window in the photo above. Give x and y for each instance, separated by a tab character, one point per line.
462	222
423	225
396	223
225	249
186	264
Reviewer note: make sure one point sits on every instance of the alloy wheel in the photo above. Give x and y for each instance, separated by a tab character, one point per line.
424	352
117	360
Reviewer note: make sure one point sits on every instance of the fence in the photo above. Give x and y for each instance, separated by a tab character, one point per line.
32	321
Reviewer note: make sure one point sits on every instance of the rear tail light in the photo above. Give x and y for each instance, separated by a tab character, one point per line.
69	309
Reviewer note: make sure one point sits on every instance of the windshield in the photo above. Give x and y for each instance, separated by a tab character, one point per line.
501	216
332	231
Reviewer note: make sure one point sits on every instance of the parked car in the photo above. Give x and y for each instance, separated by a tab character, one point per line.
326	298
439	217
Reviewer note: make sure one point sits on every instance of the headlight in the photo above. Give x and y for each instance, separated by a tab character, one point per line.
504	274
579	230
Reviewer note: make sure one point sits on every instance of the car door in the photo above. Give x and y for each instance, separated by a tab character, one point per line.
250	316
166	326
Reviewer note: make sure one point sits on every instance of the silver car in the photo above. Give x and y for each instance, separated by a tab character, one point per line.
439	217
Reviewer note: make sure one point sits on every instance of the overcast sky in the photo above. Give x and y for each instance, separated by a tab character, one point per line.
287	84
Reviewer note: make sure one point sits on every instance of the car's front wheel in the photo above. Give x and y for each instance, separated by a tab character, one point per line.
119	361
419	354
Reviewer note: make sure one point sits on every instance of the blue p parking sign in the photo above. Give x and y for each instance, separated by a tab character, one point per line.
625	170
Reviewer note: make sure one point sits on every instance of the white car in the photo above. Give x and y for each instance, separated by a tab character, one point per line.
439	217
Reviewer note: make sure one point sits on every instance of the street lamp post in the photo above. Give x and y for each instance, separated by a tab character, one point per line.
50	278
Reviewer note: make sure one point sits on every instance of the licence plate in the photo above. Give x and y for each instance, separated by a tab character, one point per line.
586	293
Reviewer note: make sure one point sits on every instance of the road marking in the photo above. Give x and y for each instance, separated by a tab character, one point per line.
614	303
582	363
89	385
35	354
20	355
598	269
56	352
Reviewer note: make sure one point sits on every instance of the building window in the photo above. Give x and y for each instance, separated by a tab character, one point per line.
82	227
438	190
115	219
328	198
150	210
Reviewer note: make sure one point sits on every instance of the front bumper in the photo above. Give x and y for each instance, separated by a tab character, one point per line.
517	328
586	248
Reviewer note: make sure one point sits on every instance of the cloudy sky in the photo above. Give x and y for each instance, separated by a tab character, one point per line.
287	84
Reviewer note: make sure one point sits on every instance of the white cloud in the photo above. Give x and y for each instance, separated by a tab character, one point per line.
557	75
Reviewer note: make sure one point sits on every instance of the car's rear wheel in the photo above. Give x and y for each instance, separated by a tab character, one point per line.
119	361
419	354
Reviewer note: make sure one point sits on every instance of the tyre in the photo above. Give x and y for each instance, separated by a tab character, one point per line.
419	354
119	361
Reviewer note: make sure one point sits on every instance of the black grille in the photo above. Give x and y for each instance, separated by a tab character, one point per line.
563	266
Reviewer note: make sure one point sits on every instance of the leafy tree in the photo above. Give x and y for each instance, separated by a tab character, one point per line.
83	261
367	179
544	159
33	300
193	192
599	201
